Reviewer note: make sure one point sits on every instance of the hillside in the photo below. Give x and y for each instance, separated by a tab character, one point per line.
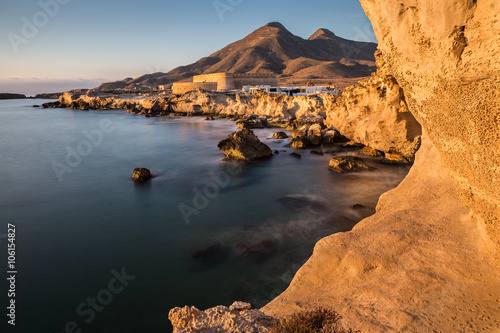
274	49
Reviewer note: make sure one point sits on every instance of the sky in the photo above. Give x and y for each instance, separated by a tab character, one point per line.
57	45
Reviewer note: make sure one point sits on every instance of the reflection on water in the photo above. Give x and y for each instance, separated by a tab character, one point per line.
245	242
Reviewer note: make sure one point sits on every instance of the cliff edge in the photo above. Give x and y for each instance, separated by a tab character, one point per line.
428	260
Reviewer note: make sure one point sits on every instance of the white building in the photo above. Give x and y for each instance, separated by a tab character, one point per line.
292	91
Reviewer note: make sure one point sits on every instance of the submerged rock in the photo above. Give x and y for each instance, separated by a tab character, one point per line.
238	318
141	174
244	145
294	154
295	202
258	247
334	150
317	151
348	164
212	253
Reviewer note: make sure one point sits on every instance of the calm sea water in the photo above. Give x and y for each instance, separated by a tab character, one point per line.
245	242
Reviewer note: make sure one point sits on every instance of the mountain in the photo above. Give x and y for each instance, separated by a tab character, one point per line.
274	49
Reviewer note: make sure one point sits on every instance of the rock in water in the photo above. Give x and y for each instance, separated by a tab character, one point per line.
299	144
280	135
244	145
348	164
371	152
141	175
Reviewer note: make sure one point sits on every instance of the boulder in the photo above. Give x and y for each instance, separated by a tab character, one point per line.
331	136
313	140
141	175
280	135
314	130
300	132
244	145
348	164
300	144
294	154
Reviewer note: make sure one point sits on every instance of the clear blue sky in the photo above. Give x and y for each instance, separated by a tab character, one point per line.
83	43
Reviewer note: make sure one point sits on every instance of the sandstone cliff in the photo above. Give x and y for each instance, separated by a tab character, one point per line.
421	263
446	56
427	261
374	113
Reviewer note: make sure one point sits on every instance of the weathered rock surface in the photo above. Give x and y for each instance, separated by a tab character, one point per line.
238	318
427	261
348	164
244	145
141	174
374	112
422	263
446	56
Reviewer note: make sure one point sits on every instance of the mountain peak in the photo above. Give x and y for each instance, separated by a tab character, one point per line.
322	34
275	25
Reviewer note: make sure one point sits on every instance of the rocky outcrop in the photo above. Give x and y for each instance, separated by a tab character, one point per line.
238	318
245	146
12	96
237	104
374	112
49	96
342	164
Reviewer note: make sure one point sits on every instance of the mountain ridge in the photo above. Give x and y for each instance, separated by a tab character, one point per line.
275	50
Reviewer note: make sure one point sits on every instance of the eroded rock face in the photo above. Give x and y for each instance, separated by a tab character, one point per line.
238	318
374	113
446	56
244	145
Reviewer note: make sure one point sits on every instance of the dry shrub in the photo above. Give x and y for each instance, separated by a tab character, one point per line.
319	320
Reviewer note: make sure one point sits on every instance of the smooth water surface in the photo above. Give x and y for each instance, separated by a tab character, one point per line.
79	218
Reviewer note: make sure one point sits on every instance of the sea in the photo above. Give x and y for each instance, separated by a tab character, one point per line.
97	252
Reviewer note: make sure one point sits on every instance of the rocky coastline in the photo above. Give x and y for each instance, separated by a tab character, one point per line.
428	259
314	119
